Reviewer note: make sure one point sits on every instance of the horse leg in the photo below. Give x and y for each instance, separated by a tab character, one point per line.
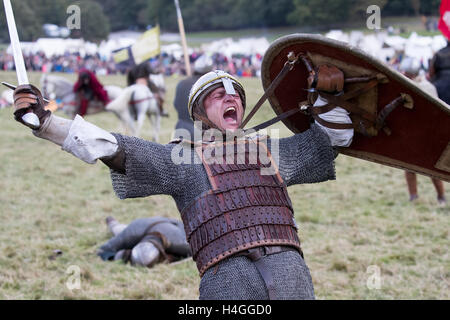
125	121
129	124
140	122
155	119
156	126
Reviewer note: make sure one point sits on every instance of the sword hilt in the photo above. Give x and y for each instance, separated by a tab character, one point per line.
12	87
30	119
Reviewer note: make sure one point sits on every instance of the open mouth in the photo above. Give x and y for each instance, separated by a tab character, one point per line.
230	115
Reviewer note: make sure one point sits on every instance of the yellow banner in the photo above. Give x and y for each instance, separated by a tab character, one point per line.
147	46
121	56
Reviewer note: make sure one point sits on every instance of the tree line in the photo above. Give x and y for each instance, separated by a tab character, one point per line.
100	17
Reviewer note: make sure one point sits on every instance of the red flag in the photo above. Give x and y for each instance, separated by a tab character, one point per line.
444	22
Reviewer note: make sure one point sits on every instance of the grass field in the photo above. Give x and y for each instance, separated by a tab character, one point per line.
50	200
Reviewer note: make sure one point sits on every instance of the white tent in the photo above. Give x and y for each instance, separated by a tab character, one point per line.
57	47
383	46
245	46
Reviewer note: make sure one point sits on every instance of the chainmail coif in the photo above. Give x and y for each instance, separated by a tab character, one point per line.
303	158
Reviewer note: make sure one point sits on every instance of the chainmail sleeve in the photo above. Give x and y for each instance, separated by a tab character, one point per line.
307	157
148	169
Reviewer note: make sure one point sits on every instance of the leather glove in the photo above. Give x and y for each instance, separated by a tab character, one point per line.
28	98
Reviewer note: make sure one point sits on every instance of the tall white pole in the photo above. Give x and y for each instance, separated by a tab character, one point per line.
15	44
30	119
183	39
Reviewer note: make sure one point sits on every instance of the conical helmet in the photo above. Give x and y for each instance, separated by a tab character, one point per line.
211	81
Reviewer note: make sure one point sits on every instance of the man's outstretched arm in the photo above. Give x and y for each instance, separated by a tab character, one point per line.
78	137
139	168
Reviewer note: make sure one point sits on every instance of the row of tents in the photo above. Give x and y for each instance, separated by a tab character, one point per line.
120	40
380	44
385	47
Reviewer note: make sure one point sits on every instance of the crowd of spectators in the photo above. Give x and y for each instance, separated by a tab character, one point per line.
67	63
238	65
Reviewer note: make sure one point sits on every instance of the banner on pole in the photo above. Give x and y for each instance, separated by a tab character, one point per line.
147	46
121	55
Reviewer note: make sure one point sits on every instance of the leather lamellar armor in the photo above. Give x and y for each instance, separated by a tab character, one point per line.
246	208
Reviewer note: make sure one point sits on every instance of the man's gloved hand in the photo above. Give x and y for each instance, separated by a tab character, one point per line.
28	98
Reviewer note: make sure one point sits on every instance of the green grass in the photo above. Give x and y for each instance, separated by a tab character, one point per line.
422	33
50	200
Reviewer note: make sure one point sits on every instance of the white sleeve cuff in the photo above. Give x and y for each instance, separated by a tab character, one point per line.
89	142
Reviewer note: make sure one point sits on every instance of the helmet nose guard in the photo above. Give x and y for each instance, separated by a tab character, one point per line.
211	81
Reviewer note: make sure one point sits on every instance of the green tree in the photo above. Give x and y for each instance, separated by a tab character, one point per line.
278	11
94	23
430	7
327	13
358	11
125	14
220	14
50	11
29	26
319	12
163	12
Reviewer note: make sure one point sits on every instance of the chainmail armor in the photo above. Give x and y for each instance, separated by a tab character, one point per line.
303	158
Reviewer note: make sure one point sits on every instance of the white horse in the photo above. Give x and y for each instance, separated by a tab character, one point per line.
133	105
7	98
158	80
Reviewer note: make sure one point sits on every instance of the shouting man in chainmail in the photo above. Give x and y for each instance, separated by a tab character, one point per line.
231	189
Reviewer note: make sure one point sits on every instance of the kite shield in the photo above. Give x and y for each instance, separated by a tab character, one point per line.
396	123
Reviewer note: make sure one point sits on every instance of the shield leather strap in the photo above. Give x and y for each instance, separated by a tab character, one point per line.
268	123
288	66
367	119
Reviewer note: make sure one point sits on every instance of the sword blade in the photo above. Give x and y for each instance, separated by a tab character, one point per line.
21	71
30	119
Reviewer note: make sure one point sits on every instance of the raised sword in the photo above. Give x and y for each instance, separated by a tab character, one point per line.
30	119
